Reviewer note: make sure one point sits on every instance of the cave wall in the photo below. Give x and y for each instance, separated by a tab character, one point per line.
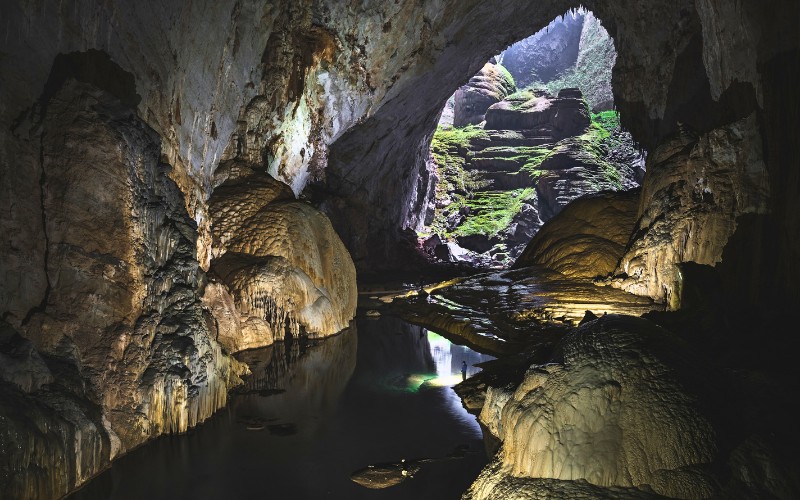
124	340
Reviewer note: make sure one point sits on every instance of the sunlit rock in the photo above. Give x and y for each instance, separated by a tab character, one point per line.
694	190
587	238
280	262
557	117
490	85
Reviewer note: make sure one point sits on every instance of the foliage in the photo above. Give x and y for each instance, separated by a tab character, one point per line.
608	120
506	76
490	212
454	137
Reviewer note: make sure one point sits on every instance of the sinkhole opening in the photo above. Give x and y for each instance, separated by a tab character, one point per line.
534	129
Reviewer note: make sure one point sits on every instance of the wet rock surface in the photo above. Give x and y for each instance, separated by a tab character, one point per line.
587	238
506	312
649	398
279	265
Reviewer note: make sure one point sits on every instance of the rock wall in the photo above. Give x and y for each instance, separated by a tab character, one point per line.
694	190
547	54
490	85
119	312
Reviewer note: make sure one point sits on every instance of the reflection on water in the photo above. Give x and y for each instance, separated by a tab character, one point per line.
311	415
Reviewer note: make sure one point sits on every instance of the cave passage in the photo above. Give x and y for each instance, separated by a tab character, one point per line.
307	418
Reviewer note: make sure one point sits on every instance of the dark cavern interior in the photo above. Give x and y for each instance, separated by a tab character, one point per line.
399	249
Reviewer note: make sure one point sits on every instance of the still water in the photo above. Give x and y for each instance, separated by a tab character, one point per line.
311	415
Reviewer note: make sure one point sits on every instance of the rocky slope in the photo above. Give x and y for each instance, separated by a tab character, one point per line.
535	153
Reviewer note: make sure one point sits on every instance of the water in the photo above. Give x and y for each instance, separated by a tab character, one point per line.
379	392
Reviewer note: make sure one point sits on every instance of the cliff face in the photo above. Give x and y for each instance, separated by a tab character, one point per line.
574	50
535	153
699	186
490	85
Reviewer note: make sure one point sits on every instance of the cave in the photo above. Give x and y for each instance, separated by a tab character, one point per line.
209	208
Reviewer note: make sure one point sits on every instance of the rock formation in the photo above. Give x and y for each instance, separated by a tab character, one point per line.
715	178
548	53
122	344
496	187
125	348
560	117
280	262
116	115
574	50
488	86
587	238
623	410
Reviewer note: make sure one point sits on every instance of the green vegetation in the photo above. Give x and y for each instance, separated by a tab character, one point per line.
490	212
509	80
458	138
608	120
449	148
597	141
464	209
520	98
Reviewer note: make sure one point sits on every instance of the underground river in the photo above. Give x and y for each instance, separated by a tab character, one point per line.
311	415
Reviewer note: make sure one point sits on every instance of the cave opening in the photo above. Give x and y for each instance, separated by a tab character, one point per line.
534	129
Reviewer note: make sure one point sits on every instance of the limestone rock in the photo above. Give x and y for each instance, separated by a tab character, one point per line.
558	117
20	362
119	323
490	85
587	238
693	192
614	409
280	262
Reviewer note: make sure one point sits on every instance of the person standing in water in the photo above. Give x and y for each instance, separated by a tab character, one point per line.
463	370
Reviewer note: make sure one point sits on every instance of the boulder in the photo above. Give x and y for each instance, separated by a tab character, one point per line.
587	238
490	85
564	116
